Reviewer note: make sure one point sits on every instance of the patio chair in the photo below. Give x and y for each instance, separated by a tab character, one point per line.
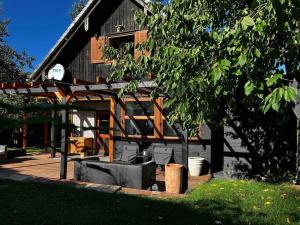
162	155
129	153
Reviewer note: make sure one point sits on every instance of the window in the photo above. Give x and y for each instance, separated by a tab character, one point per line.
116	41
103	122
119	42
140	118
169	131
144	118
139	127
139	108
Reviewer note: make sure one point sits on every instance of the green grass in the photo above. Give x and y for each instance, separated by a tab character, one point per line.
29	150
230	202
35	150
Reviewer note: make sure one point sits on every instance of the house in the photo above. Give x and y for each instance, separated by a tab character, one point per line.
135	121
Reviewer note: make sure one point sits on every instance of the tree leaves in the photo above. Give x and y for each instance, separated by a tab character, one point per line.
242	60
247	22
77	8
249	88
273	79
12	66
275	99
290	94
223	55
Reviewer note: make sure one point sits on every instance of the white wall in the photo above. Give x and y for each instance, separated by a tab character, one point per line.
85	119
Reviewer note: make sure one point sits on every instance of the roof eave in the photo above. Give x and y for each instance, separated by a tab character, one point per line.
81	16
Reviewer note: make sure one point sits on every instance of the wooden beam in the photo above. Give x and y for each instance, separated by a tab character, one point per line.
77	81
46	134
52	134
111	87
111	128
101	80
25	131
185	152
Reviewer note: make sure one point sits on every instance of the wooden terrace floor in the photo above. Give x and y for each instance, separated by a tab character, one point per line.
41	166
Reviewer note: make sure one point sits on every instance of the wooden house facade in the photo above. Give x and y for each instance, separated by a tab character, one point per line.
137	120
132	121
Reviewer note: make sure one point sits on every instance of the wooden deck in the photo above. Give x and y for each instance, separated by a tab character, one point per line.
41	166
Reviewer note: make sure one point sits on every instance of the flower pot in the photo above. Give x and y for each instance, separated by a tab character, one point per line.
173	174
195	165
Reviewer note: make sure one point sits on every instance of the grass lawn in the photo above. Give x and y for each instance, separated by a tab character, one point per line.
218	202
35	150
29	150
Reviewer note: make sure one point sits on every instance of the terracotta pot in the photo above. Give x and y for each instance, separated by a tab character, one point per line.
173	176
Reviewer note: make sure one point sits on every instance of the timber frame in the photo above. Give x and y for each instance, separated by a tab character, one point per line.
63	94
86	80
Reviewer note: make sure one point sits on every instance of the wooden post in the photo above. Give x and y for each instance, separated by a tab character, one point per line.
52	134
46	134
185	152
25	132
64	139
111	128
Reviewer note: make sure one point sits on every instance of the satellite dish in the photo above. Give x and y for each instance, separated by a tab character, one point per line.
56	72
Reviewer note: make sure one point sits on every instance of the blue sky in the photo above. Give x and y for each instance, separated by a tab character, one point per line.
36	25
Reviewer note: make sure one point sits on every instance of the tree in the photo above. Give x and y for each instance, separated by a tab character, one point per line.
210	56
12	69
77	8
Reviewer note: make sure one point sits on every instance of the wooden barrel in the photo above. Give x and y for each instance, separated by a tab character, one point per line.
173	178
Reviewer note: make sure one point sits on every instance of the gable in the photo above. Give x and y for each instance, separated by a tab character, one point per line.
104	16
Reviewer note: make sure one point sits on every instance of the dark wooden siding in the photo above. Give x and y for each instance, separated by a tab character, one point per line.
76	56
123	15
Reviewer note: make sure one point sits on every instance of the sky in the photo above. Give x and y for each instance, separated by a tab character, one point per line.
36	25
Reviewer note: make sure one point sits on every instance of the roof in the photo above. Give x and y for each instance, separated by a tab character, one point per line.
67	35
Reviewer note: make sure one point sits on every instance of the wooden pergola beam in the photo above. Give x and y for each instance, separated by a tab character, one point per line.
77	81
101	80
50	88
111	87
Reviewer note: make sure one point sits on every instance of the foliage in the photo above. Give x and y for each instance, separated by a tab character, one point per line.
208	56
12	67
77	8
217	202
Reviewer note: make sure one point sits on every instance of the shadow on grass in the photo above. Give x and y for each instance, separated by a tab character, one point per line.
35	203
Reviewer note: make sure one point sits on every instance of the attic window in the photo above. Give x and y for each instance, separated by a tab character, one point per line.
118	42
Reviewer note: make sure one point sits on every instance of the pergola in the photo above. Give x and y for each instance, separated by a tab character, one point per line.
63	93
